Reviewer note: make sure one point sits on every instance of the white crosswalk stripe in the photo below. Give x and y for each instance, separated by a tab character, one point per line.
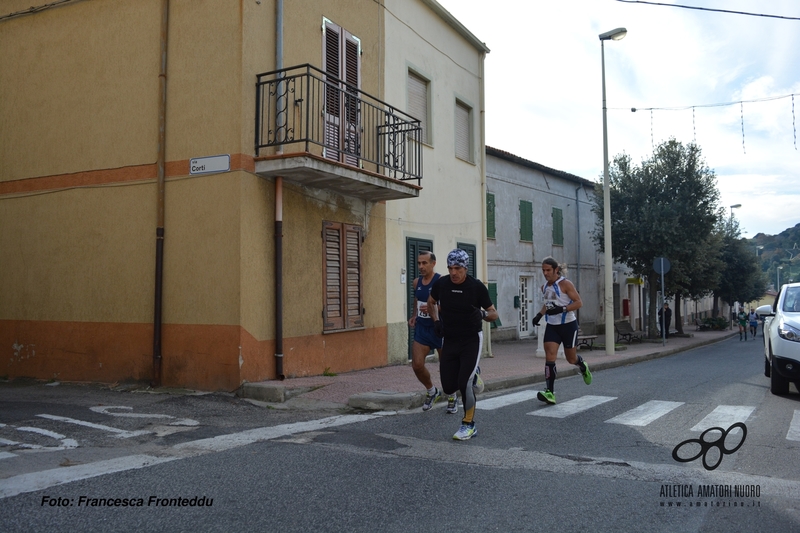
645	413
572	407
724	416
794	427
505	400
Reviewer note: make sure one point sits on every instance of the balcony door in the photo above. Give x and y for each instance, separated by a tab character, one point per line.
341	57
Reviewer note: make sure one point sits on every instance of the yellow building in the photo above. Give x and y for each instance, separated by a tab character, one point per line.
195	193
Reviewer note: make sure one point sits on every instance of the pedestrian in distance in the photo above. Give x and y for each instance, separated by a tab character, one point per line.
665	320
459	304
753	319
741	318
561	300
425	338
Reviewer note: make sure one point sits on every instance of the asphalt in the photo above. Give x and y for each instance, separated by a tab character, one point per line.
509	364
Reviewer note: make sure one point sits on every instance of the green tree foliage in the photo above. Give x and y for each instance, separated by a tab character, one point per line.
664	207
779	250
741	279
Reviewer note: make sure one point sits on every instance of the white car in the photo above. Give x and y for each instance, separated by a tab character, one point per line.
782	339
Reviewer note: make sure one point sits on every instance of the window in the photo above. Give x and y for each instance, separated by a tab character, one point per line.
490	226
418	101
558	226
493	298
341	58
463	137
343	303
471	250
525	221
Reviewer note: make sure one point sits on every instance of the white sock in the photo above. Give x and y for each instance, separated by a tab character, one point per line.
432	390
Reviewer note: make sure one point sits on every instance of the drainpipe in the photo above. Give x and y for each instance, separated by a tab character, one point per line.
578	238
162	135
279	210
484	237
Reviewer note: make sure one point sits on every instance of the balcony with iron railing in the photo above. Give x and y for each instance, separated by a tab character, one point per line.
318	131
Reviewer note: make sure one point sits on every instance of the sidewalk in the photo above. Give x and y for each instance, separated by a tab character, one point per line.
512	364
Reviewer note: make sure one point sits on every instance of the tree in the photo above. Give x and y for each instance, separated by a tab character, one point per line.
665	207
741	279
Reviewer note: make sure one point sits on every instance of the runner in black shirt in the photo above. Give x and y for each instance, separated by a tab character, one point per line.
458	304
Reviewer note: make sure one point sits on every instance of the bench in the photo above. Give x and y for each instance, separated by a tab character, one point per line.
701	326
626	332
585	340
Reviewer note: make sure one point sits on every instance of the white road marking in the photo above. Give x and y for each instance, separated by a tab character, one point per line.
7	455
234	440
507	399
645	413
724	416
119	433
49	478
794	427
572	407
65	442
104	409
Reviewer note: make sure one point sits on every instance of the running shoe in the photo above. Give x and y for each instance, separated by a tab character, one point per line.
477	382
587	374
452	404
431	399
465	432
547	397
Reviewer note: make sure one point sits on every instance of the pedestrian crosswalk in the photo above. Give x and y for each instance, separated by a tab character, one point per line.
722	416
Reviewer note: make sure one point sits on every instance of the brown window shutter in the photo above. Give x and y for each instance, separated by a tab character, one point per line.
352	238
333	317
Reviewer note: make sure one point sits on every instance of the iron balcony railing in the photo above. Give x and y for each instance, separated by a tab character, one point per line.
305	110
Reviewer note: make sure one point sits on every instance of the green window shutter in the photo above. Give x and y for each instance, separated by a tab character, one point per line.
472	251
525	221
493	297
558	226
490	227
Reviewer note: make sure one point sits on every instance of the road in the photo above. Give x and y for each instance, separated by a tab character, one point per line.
599	460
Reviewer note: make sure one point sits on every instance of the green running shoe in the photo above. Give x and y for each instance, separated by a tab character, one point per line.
547	397
587	375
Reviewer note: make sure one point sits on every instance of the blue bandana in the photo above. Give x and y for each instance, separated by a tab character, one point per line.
458	257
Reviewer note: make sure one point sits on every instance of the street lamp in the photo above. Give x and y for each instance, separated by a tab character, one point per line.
730	222
758	248
608	300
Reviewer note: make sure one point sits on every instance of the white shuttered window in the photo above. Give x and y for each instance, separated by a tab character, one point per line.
463	129
418	101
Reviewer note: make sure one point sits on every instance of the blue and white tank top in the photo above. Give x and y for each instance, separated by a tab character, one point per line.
554	296
421	293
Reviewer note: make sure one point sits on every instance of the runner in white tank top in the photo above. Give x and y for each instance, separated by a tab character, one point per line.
561	300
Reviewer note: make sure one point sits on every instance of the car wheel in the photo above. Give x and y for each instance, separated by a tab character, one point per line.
778	384
766	367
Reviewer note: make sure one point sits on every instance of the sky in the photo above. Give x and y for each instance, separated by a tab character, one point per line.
544	97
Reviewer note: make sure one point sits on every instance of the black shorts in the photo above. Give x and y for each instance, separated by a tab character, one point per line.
566	334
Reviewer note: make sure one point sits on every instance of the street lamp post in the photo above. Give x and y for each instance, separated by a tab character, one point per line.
778	275
730	221
608	300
